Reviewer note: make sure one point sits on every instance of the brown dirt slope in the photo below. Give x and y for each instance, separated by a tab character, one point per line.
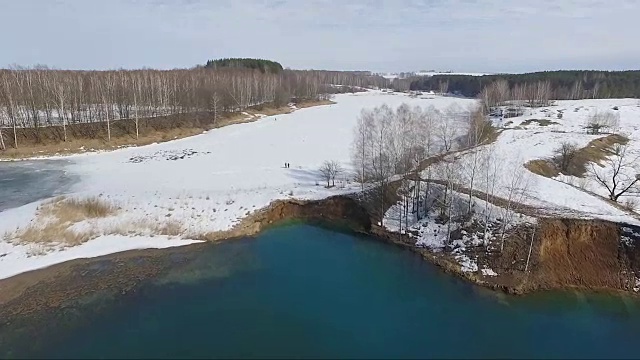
581	253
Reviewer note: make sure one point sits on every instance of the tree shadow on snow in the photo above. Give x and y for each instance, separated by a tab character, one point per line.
305	175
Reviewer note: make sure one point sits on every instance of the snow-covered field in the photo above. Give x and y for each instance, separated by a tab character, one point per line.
392	76
210	182
573	196
205	183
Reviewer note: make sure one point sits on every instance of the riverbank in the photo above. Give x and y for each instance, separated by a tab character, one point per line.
152	131
55	286
297	290
206	188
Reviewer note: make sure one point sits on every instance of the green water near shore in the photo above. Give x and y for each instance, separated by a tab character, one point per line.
306	291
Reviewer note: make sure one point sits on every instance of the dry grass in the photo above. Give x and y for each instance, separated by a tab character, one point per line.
542	167
630	204
595	152
53	225
145	228
311	103
74	146
54	219
81	209
541	122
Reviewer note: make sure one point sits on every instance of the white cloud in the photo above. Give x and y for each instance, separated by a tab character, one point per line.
471	35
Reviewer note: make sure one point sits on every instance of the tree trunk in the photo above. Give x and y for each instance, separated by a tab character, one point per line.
108	127
64	128
2	147
526	267
135	104
15	135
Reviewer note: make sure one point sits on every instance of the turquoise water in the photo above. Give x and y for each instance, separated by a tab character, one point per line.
305	291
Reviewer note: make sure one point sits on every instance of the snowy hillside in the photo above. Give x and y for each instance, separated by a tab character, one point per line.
520	171
188	188
524	140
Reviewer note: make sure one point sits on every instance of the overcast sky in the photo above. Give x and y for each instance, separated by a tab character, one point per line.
377	35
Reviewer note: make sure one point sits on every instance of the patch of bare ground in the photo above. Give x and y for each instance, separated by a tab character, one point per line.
540	122
595	152
54	219
337	209
83	137
311	103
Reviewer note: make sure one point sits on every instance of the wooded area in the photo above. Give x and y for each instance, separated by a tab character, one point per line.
39	105
565	85
244	63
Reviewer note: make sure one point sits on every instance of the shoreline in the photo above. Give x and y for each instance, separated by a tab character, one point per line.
56	285
79	146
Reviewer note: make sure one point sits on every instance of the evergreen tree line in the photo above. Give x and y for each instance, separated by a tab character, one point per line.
565	85
33	99
246	63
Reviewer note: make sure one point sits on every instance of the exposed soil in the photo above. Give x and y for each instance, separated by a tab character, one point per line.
566	253
540	122
595	152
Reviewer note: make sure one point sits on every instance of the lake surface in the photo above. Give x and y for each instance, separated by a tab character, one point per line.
306	291
23	182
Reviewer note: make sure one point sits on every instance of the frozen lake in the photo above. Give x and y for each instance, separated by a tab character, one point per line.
24	182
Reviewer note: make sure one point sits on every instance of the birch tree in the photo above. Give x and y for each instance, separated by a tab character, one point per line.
517	187
491	170
361	153
11	107
382	164
61	96
477	126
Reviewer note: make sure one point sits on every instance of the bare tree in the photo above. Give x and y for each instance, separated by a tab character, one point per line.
362	144
619	175
447	129
336	170
599	122
382	162
502	91
443	87
491	169
2	146
450	169
533	236
421	149
517	187
565	155
326	170
11	106
330	170
136	91
61	96
405	196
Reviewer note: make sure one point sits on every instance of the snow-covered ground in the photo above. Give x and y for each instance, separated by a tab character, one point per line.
432	233
204	183
392	76
560	196
522	143
504	160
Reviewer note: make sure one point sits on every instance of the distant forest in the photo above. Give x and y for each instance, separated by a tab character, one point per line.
245	63
564	84
41	105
